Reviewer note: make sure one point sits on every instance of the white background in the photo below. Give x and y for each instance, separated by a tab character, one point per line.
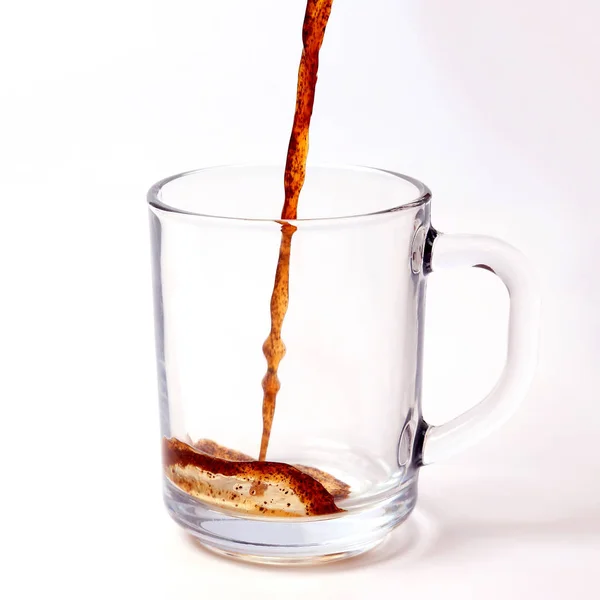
493	104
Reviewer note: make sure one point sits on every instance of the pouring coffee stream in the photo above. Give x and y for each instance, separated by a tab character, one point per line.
313	32
224	476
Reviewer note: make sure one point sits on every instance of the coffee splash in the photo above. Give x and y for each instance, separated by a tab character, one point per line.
231	479
243	484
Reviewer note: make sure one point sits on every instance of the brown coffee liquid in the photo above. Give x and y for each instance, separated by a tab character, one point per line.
230	479
313	31
223	476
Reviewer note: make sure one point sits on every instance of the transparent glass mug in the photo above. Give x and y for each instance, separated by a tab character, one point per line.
348	436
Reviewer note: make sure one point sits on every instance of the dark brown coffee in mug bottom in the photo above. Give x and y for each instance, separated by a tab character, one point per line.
233	480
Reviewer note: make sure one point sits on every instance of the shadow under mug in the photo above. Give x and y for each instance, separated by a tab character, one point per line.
350	398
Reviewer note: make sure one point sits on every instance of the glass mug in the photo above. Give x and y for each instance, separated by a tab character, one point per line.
348	436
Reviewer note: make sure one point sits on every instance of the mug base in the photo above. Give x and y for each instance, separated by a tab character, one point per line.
290	561
289	542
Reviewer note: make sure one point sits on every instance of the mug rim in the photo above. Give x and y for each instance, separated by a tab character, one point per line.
423	193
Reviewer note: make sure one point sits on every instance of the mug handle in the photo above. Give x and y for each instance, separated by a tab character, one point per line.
443	251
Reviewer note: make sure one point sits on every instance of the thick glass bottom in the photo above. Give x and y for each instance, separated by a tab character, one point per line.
290	541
